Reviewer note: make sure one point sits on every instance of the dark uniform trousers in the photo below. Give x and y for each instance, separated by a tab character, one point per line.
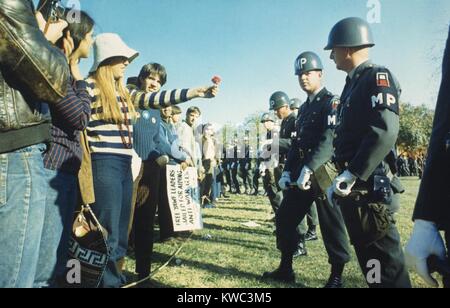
255	179
293	210
373	233
311	220
270	182
234	176
227	174
246	174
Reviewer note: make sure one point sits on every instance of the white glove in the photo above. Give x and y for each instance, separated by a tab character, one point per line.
425	241
303	181
344	183
285	180
262	169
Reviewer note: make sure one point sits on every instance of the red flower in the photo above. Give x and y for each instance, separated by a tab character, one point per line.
216	80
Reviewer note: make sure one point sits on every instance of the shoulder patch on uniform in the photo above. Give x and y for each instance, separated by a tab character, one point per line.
383	80
335	103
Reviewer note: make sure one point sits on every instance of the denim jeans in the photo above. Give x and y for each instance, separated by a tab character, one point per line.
59	214
113	185
23	188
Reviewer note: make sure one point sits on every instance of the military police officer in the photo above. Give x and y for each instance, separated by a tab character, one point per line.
432	212
228	154
311	150
365	138
279	102
245	164
295	105
308	225
268	162
235	166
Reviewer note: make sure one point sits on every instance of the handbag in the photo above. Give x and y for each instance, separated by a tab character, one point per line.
88	245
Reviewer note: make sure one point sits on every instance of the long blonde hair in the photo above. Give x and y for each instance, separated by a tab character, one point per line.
107	90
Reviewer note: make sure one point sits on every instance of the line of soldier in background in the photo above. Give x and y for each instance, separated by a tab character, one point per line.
343	157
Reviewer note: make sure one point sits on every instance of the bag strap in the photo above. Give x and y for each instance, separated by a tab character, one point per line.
87	208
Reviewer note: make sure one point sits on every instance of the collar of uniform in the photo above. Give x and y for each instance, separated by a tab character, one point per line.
291	115
318	95
313	96
358	70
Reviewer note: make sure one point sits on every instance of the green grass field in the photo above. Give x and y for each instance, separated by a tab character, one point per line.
227	254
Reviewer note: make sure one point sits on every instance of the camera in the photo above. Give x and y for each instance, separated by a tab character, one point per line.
382	189
52	10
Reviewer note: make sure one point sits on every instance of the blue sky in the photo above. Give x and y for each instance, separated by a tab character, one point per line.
252	44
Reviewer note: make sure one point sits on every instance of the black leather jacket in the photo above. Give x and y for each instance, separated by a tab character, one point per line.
32	71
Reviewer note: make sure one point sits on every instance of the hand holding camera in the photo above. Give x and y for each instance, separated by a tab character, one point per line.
50	18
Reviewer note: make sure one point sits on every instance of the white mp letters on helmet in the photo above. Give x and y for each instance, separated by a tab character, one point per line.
303	62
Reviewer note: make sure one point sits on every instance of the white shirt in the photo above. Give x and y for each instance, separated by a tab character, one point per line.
187	140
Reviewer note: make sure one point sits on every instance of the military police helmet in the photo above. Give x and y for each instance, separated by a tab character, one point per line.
295	103
267	117
306	62
350	32
279	100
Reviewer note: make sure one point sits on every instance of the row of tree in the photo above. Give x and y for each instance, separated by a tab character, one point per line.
416	124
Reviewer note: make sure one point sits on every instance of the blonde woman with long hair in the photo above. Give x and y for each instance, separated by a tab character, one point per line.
110	136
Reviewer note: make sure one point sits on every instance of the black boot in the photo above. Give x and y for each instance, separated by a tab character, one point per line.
335	280
284	273
280	275
301	249
311	235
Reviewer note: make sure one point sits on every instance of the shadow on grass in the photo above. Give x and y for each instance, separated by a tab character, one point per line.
238	208
234	242
211	226
223	272
218	216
